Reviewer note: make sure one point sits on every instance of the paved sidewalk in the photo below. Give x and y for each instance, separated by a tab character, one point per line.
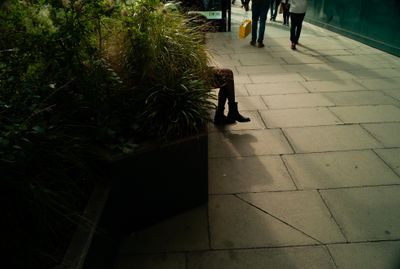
313	181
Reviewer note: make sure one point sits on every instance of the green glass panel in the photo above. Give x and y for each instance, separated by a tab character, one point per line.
373	22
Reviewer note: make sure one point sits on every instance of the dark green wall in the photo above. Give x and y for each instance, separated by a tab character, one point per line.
373	22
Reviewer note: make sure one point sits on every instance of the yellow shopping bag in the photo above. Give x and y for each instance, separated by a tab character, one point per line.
245	28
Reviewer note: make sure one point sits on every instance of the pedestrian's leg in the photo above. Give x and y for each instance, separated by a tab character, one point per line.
263	18
255	13
294	22
277	2
299	26
284	16
292	27
229	90
218	81
271	7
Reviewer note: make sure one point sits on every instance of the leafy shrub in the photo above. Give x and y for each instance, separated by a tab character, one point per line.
53	84
78	78
165	64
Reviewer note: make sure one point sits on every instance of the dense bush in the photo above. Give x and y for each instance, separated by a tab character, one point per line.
165	64
77	79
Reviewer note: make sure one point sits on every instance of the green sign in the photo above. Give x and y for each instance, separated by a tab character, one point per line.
211	15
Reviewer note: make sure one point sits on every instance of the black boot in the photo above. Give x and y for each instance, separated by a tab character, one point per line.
234	115
220	118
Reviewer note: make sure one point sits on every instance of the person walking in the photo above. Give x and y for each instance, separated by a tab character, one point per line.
245	4
259	10
285	9
274	9
297	13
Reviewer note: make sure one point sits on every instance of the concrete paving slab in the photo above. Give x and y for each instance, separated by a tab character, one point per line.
331	40
256	58
308	67
313	257
240	89
285	77
361	98
356	61
223	59
330	138
296	100
236	224
386	133
339	169
345	66
260	69
219	49
367	213
370	255
248	174
302	59
247	143
242	78
152	261
250	103
303	210
380	83
394	93
391	157
386	73
363	49
283	87
282	51
367	113
387	60
333	86
326	75
315	51
381	56
184	232
297	117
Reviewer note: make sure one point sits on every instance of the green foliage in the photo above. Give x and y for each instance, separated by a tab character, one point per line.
78	77
53	84
167	62
162	62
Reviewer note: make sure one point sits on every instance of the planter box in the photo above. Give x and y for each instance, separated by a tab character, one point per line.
157	183
141	190
82	241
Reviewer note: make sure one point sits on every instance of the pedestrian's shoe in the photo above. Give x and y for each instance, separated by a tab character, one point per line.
246	6
253	43
221	119
293	46
234	115
260	45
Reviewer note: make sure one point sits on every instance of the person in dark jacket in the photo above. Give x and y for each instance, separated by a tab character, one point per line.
259	10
